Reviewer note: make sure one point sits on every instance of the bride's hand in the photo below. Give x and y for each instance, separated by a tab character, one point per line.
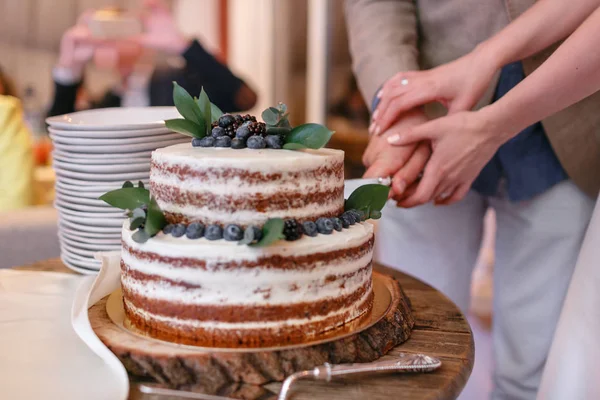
462	144
458	85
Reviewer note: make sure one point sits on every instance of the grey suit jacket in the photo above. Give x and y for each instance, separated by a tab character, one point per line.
389	36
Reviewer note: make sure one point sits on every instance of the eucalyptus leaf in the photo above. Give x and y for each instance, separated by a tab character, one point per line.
369	198
186	127
136	223
272	231
375	214
294	146
311	135
215	112
186	105
140	236
251	234
278	130
128	198
205	108
270	116
282	107
127	184
155	220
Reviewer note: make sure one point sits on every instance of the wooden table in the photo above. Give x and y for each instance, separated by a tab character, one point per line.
441	330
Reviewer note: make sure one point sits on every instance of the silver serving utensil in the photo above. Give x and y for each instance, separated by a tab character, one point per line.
404	362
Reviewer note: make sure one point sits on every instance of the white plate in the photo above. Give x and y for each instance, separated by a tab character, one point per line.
79	235
102	177
118	149
84	208
75	267
80	166
82	262
118	118
93	201
138	156
88	186
115	141
91	198
129	133
83	159
75	251
109	217
74	224
91	245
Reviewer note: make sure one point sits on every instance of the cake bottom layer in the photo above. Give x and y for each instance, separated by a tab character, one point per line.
244	334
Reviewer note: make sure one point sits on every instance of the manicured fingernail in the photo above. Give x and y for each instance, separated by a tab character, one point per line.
371	128
375	114
401	186
379	94
377	131
393	139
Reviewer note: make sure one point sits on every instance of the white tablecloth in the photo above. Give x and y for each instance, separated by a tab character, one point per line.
41	357
572	369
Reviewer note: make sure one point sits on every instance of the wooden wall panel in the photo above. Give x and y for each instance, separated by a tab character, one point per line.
51	19
15	20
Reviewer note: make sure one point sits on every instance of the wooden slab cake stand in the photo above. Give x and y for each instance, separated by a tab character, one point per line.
182	366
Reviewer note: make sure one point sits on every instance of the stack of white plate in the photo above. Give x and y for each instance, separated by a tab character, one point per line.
95	151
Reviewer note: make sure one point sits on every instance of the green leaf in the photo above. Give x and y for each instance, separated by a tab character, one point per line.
205	108
128	198
249	236
127	184
186	105
272	231
140	236
215	112
186	127
294	146
282	107
136	223
368	198
313	136
270	116
155	220
278	130
375	214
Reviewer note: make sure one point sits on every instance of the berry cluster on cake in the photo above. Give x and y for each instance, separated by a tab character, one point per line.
246	247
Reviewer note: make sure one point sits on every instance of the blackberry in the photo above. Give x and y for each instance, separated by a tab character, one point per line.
292	230
258	128
226	120
238	119
249	118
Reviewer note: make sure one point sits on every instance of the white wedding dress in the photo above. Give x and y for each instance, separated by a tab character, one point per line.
574	360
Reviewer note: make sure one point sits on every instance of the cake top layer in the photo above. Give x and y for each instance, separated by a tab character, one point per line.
249	159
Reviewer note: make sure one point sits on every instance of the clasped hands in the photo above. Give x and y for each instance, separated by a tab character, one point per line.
434	160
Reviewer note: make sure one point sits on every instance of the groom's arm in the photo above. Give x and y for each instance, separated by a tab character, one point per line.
383	41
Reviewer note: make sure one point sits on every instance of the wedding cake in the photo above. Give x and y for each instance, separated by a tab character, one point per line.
245	245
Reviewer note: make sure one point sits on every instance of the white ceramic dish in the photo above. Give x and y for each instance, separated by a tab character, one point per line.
140	156
84	262
78	235
118	118
74	266
83	208
118	148
109	217
115	141
111	134
75	224
91	245
91	186
102	177
112	168
92	201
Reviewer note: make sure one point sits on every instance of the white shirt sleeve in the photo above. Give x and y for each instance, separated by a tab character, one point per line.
66	76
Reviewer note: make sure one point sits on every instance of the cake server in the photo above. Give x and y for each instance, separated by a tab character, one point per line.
403	362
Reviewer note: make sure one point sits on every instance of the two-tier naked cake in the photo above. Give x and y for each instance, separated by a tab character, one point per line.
221	293
244	238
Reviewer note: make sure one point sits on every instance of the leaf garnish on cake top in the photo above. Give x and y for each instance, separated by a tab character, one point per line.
144	213
369	199
198	114
272	231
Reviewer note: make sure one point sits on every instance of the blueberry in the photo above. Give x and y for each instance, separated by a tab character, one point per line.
217	131
325	226
195	230
310	228
223	141
168	229
207	141
337	224
178	230
256	233
274	141
347	220
225	120
213	232
196	142
256	142
243	132
247	123
357	215
233	233
237	143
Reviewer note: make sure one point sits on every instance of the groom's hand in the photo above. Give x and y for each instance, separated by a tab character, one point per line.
403	163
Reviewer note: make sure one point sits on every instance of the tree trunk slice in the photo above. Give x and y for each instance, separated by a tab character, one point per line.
184	367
